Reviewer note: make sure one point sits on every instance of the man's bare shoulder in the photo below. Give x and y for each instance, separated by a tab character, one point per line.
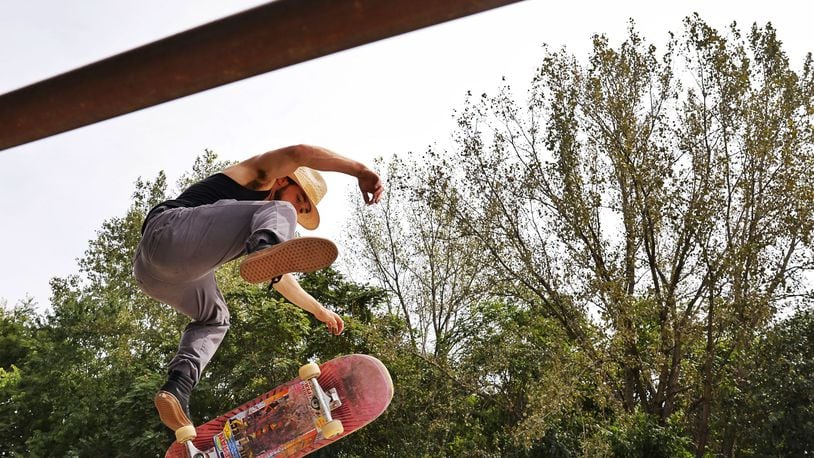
248	177
259	172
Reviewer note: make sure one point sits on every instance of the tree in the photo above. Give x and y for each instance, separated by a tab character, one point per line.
661	217
433	273
96	343
777	403
496	373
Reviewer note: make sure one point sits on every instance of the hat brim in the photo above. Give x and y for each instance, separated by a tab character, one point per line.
308	220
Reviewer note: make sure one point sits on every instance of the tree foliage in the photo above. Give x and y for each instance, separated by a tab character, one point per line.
655	207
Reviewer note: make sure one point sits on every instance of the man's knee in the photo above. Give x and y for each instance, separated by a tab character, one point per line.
208	306
278	216
214	316
286	211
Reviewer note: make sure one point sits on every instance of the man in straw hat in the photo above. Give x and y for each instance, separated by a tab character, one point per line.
250	208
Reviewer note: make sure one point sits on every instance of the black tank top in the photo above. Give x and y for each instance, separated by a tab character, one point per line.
208	191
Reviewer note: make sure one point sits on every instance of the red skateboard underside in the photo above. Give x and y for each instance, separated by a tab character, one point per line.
283	422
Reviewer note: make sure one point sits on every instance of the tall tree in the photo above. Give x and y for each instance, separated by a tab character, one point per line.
657	206
497	375
434	273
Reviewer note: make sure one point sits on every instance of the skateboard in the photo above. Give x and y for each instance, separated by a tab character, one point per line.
324	404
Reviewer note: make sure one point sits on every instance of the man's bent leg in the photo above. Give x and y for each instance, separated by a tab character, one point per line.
175	264
272	223
203	302
200	300
198	344
187	243
273	253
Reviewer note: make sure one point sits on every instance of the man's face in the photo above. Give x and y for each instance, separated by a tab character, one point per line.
294	195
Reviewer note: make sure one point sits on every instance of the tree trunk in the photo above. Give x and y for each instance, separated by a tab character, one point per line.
702	435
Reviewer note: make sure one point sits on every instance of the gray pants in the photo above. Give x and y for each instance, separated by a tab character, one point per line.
176	259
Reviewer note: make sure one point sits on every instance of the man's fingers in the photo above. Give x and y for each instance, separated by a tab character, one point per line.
371	186
336	326
372	197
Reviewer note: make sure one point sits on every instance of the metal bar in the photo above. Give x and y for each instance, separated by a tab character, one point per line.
259	40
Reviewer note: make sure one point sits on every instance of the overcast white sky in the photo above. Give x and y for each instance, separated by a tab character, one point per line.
393	96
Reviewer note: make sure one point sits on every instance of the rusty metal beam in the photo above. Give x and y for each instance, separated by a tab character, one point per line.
259	40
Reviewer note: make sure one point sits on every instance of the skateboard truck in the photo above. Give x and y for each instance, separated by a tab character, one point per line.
323	401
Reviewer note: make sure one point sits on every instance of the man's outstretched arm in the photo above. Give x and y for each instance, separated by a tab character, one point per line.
291	290
260	171
323	159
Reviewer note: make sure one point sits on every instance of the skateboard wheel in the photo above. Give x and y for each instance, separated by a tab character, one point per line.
332	429
309	371
185	433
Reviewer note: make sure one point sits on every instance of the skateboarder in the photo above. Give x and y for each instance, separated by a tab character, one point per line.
249	208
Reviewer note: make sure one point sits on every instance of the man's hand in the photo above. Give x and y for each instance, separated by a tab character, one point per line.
332	321
291	290
371	186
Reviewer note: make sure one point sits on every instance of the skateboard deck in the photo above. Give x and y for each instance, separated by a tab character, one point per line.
294	419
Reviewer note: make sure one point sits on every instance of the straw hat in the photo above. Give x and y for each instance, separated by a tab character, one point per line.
315	188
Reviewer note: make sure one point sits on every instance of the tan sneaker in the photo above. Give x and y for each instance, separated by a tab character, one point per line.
172	414
172	403
303	254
